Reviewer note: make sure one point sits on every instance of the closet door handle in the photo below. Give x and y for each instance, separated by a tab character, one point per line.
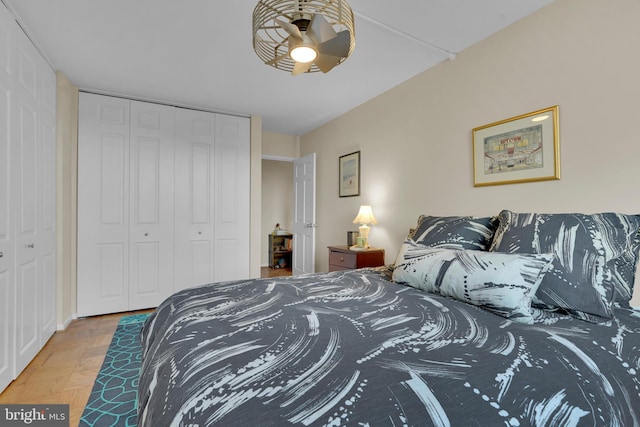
1	254
31	245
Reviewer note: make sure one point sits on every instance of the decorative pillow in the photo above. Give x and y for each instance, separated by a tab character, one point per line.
501	283
592	256
456	232
623	272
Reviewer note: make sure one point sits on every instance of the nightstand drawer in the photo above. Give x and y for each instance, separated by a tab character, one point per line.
342	260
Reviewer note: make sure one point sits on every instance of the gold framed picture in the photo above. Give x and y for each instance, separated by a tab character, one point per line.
524	148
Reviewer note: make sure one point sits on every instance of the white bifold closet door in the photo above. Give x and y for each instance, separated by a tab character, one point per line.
163	202
212	198
125	204
232	198
27	200
7	284
194	207
151	210
103	205
34	186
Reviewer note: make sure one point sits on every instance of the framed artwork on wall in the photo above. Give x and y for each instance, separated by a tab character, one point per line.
524	148
349	175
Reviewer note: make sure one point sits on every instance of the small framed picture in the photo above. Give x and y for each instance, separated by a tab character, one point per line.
349	175
525	148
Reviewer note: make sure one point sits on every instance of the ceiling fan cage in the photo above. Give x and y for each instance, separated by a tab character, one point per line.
271	41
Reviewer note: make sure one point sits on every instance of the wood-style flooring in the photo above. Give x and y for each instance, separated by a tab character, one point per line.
274	272
65	369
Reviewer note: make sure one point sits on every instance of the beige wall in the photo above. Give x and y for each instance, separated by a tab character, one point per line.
278	152
415	140
67	155
277	200
256	196
280	146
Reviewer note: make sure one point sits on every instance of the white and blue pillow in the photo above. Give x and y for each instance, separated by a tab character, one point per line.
501	283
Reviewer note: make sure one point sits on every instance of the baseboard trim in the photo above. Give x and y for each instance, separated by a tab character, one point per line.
67	322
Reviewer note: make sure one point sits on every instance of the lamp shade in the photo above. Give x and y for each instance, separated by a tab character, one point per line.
365	216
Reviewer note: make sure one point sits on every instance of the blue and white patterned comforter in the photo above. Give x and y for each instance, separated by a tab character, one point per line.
354	349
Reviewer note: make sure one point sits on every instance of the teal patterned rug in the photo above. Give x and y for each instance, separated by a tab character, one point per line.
114	397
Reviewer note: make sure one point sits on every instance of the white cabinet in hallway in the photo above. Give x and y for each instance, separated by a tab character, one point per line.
163	201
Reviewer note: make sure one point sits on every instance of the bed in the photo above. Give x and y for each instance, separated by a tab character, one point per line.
513	320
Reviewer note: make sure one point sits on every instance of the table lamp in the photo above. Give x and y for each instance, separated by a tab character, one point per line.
364	217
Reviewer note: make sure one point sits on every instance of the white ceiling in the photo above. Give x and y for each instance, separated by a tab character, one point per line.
199	53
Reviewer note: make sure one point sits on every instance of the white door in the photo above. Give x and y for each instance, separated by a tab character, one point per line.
25	151
232	172
103	205
27	200
46	245
151	204
194	208
304	214
7	27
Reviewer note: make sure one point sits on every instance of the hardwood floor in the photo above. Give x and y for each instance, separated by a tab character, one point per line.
65	369
274	272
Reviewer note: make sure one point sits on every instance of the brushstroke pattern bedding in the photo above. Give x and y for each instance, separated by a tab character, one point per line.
352	348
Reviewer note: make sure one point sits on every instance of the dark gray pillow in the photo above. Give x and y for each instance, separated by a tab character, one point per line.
594	257
454	232
623	273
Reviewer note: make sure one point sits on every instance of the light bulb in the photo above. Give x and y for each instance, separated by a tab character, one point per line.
303	54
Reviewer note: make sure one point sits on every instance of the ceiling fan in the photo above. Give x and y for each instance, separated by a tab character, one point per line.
303	35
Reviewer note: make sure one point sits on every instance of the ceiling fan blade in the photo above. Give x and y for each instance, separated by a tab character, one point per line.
338	46
320	30
277	59
293	30
301	67
326	62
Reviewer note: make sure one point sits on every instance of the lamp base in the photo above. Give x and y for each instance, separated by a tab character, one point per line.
357	248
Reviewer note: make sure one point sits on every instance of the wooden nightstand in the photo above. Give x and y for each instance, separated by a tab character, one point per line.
343	258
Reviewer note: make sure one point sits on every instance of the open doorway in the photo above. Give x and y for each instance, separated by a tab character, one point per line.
277	208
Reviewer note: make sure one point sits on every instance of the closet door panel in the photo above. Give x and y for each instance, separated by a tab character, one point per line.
27	200
6	206
194	206
28	281
25	146
152	191
112	183
47	200
232	197
6	327
45	246
5	138
27	339
110	277
103	205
